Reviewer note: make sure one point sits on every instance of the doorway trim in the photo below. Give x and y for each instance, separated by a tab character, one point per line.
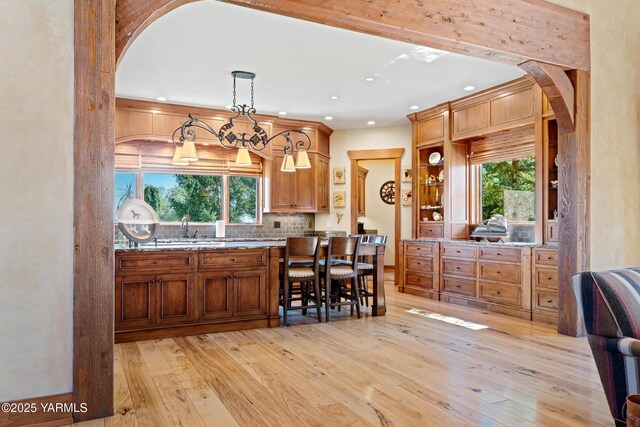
491	29
394	154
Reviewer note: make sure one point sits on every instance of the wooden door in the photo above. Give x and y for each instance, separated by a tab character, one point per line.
323	184
282	188
305	190
135	302
175	299
251	293
215	295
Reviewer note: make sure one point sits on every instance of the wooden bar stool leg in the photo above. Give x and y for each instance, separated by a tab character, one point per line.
327	297
316	284
285	299
356	296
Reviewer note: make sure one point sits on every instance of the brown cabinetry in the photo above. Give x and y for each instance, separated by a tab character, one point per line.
184	292
544	290
420	269
305	190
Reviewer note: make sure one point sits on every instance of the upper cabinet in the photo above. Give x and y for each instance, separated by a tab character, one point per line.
305	190
493	110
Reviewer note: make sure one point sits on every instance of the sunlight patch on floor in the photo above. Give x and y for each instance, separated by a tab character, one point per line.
448	319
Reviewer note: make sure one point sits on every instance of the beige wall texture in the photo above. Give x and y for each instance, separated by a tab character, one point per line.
36	195
615	130
379	215
365	139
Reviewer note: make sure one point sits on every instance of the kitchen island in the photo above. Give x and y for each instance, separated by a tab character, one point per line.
185	287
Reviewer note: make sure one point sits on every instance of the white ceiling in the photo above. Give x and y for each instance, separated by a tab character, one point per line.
187	56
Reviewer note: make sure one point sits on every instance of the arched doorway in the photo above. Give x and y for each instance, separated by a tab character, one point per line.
501	30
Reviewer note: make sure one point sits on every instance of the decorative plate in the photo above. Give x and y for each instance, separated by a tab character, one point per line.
434	158
556	160
436	216
138	220
441	176
388	192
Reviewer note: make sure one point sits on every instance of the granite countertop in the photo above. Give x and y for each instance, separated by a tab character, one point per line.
482	243
208	244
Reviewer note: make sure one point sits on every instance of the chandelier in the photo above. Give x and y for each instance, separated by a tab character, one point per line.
185	147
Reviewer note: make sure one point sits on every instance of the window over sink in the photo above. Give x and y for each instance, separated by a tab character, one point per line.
205	198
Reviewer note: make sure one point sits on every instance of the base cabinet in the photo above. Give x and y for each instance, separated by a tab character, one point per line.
217	290
420	270
544	280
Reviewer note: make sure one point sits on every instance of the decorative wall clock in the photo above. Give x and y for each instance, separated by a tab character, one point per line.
388	192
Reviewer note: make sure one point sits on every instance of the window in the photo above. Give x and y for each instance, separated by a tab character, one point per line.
125	186
174	196
508	188
243	197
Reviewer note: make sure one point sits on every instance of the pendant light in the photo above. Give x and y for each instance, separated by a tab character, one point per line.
176	157
288	164
188	151
230	137
302	162
243	158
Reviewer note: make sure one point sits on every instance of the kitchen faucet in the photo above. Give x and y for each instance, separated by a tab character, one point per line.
185	224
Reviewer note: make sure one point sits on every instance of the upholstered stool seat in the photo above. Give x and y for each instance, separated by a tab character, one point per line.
301	272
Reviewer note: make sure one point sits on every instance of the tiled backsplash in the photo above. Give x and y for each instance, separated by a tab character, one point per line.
290	225
522	233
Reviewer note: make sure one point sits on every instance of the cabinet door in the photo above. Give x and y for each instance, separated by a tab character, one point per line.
216	295
305	190
281	186
251	293
175	299
135	302
322	184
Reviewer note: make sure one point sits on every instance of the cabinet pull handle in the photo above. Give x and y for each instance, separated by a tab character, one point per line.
498	254
548	278
498	293
458	252
458	268
457	286
549	301
549	258
498	272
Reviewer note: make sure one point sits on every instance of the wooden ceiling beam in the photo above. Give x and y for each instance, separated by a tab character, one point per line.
501	30
557	87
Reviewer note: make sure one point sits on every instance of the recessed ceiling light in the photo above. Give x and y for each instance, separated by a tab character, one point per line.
368	79
414	107
328	118
282	113
334	97
371	122
469	87
161	98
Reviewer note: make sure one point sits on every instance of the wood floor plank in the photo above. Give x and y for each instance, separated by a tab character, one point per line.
402	369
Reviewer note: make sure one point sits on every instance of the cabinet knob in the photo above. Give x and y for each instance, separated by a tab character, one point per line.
498	272
498	254
549	258
498	293
458	252
549	301
457	286
548	278
458	268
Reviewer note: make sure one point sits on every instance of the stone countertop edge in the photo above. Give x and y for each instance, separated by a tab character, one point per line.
473	242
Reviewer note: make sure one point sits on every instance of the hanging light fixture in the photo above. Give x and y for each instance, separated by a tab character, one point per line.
257	141
176	157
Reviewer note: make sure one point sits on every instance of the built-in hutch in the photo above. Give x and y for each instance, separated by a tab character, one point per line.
513	119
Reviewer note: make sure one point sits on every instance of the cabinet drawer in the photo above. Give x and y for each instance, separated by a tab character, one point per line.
416	263
545	299
546	278
155	262
458	251
424	281
500	293
459	286
430	230
500	254
418	249
235	259
500	272
459	267
546	257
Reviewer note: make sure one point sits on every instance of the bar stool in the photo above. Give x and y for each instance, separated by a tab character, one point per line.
295	272
341	247
365	268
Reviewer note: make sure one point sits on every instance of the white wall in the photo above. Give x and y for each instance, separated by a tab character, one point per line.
343	141
36	195
615	130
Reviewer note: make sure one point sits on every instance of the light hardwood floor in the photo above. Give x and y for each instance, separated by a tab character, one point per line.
401	369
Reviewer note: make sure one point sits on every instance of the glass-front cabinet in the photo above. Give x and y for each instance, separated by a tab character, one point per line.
431	180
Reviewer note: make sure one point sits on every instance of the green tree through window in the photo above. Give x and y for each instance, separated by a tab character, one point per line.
243	197
515	179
